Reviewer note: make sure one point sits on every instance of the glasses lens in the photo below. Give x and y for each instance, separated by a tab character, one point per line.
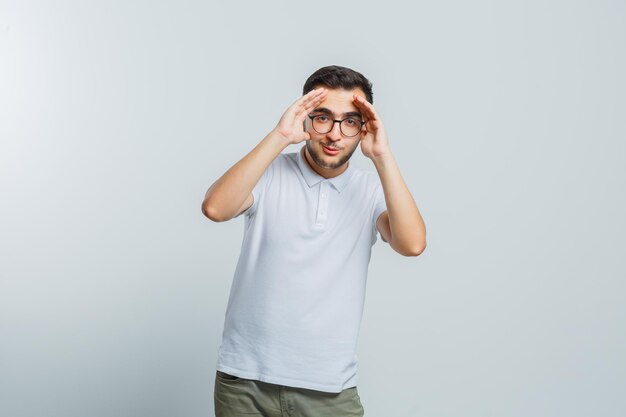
322	123
351	127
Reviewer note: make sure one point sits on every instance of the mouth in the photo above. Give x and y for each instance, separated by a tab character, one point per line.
330	151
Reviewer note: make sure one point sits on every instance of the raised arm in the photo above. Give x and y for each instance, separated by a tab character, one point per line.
401	225
231	194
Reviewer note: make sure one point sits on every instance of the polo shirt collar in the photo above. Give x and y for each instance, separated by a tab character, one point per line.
312	178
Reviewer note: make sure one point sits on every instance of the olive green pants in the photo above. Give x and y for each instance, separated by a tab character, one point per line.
237	397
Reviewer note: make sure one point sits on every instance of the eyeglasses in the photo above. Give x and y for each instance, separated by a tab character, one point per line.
322	123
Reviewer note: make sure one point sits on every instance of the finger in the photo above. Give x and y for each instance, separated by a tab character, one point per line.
303	112
314	103
296	108
315	99
311	96
296	105
366	106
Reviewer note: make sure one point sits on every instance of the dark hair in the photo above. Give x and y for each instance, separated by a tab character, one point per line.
335	76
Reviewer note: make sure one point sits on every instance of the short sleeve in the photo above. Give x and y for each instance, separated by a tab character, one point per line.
379	206
259	189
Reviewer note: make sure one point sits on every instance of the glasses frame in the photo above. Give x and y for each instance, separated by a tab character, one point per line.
313	116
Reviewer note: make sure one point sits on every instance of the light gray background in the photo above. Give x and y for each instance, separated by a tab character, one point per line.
506	118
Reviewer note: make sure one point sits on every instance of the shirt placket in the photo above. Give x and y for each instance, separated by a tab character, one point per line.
322	204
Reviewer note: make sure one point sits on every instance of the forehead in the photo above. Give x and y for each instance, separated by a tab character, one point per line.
339	101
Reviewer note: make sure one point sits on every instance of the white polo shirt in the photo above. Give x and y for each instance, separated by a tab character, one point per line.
297	296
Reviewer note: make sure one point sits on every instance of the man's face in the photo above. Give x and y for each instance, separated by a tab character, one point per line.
330	151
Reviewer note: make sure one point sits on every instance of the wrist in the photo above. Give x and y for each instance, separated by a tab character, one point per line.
278	139
383	160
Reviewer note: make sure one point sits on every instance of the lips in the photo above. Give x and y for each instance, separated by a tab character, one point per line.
330	151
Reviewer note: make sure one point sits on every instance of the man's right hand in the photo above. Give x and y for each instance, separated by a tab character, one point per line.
290	125
231	194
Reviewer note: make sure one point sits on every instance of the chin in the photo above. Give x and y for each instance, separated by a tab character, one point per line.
327	161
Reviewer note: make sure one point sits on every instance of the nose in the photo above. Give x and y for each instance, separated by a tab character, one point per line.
335	132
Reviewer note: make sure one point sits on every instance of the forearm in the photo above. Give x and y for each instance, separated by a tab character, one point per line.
408	232
230	191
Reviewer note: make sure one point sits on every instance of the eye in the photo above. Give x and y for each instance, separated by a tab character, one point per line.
322	118
351	122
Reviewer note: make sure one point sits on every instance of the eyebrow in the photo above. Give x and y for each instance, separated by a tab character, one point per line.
329	112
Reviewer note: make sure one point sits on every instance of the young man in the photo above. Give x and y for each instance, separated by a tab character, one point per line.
296	299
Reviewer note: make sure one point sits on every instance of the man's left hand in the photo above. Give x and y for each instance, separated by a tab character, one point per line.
374	142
